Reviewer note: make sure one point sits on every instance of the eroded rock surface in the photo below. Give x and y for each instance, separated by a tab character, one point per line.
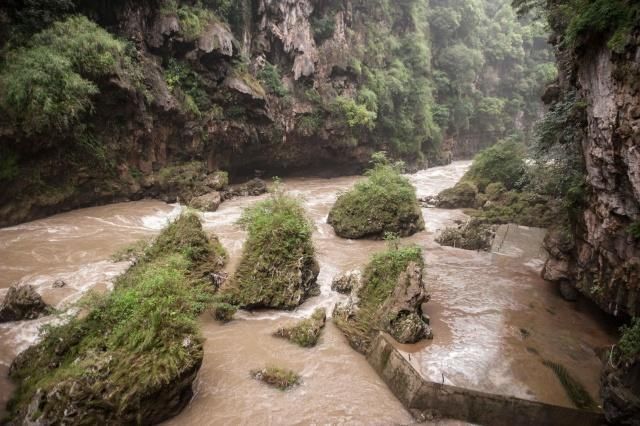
22	303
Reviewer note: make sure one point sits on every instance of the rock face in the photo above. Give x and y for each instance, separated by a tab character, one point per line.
348	282
602	257
22	303
620	392
402	312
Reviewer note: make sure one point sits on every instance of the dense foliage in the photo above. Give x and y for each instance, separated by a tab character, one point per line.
49	84
384	202
131	343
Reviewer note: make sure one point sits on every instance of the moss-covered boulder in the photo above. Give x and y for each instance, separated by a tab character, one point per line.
134	355
461	196
306	332
278	268
383	203
390	299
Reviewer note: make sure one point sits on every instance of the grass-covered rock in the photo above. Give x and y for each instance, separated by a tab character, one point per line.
134	354
307	332
224	312
278	268
277	377
389	299
383	203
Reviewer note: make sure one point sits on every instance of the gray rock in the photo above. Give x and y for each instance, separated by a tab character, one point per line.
402	312
207	203
347	282
58	284
568	291
22	303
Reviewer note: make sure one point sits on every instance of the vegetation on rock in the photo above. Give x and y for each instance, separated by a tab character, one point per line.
136	351
473	235
385	202
277	377
224	312
278	268
306	332
373	306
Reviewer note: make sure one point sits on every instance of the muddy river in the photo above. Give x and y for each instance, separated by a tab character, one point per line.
494	319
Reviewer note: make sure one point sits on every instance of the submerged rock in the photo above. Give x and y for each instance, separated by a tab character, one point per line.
22	303
254	187
58	284
347	282
307	332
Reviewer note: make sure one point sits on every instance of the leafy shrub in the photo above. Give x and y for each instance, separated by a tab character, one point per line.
193	21
270	76
502	162
634	230
354	114
384	202
48	84
180	77
278	268
8	165
629	343
462	195
323	28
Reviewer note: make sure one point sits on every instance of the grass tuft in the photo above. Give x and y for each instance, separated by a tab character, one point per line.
307	332
280	378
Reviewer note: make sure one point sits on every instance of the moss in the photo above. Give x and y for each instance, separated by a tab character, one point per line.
522	208
307	332
133	343
277	268
379	280
384	202
224	312
462	195
575	390
280	378
471	236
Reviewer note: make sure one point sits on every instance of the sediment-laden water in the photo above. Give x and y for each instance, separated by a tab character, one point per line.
494	319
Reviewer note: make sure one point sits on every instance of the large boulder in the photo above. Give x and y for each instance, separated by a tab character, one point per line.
402	312
462	195
22	303
207	202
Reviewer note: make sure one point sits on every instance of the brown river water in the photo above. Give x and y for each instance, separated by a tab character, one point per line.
494	319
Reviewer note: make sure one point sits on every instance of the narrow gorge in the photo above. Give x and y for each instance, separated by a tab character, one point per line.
320	212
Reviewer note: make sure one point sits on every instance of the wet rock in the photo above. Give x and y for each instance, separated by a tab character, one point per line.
619	389
22	303
307	332
463	195
347	282
58	284
207	203
253	188
472	235
402	312
568	291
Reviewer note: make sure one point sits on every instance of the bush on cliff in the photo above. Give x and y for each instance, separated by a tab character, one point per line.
49	83
278	268
134	354
384	202
386	300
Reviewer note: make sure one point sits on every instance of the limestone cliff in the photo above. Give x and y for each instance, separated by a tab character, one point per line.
602	260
